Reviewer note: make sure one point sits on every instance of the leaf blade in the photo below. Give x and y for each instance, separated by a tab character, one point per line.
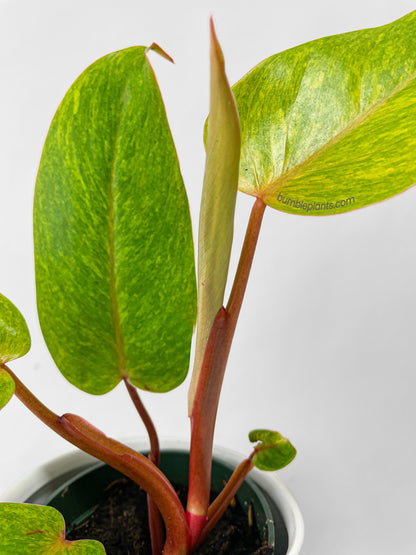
35	529
14	334
336	132
273	451
6	388
113	241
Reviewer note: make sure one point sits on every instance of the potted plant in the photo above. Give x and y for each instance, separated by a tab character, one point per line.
310	131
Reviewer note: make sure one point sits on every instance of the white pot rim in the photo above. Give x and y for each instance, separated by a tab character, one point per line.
268	481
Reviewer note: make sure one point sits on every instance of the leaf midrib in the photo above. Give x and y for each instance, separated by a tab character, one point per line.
278	183
120	348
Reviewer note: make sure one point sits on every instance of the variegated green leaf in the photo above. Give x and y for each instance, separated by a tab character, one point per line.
6	388
330	126
273	451
37	530
113	244
14	335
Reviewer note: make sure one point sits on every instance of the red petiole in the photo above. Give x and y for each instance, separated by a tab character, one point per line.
209	385
155	521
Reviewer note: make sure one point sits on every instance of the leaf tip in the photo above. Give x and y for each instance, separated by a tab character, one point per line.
156	48
216	52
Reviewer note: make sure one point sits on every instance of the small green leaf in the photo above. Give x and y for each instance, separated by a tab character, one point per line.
216	224
114	257
6	388
14	335
38	530
329	126
273	451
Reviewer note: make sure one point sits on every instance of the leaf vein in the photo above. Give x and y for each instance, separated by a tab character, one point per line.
120	347
278	183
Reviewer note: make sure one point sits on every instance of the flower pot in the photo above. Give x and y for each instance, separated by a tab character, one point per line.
276	513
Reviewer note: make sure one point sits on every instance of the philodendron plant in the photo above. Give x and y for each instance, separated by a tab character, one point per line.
323	128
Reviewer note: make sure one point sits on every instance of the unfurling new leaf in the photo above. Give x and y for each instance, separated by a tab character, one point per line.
273	451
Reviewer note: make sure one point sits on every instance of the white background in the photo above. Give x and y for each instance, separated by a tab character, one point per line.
324	350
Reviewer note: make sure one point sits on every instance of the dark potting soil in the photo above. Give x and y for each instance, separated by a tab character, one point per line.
120	523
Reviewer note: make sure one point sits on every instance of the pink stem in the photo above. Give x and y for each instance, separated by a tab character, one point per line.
220	504
155	522
210	382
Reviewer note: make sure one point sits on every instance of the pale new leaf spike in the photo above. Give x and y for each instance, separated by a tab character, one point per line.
217	205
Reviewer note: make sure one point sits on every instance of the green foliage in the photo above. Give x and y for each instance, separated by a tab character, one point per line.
216	222
328	126
6	388
14	335
38	530
273	451
114	254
